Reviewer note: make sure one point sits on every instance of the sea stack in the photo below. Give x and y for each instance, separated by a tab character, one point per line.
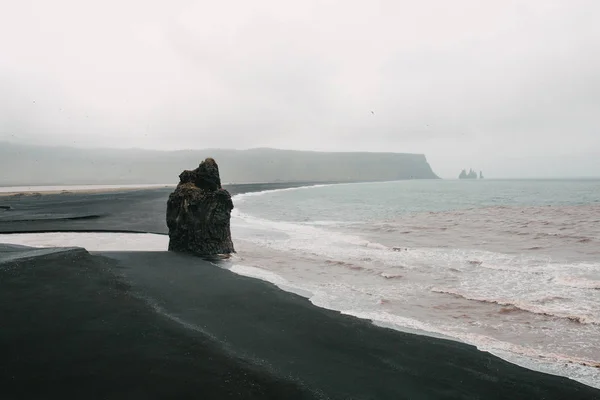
199	213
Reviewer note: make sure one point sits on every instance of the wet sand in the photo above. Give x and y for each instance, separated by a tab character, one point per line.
150	325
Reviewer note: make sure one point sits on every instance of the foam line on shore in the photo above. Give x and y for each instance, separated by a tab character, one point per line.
242	196
551	363
322	300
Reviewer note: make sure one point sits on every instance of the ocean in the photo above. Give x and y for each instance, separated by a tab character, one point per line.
510	266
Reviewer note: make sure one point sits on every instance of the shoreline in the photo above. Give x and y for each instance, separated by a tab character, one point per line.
134	209
141	210
206	330
240	188
100	242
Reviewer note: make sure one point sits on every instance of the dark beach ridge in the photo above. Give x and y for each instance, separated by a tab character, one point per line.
143	325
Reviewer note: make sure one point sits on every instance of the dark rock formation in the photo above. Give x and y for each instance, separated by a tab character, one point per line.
471	175
199	212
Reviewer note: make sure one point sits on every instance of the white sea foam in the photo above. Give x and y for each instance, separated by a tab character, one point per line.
533	283
259	273
302	237
238	198
486	276
579	282
268	276
577	368
584	370
329	223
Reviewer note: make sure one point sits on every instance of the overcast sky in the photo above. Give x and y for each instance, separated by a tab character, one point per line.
497	85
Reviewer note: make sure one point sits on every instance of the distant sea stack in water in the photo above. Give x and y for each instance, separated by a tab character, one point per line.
199	213
470	175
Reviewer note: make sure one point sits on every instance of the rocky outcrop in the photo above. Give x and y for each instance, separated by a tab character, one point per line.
199	212
471	175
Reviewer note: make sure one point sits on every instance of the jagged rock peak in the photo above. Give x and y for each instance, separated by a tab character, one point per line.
206	176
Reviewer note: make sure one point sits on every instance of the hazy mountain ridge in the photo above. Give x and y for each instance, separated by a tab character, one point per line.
45	165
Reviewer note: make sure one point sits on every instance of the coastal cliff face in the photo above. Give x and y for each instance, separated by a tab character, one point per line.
199	213
70	166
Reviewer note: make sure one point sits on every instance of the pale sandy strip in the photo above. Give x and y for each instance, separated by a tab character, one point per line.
32	190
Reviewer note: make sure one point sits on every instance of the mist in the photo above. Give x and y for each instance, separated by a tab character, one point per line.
507	87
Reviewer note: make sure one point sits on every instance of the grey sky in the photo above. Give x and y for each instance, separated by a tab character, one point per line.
497	85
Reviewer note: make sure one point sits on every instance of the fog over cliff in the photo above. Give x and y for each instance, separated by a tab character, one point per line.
42	165
508	87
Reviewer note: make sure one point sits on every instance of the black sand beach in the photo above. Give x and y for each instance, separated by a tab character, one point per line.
150	325
115	211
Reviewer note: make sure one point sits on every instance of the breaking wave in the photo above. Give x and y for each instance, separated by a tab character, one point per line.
577	282
242	196
522	306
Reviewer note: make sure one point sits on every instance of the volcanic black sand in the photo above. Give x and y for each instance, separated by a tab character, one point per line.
128	210
147	325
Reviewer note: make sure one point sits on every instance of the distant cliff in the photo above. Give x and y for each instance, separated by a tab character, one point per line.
40	165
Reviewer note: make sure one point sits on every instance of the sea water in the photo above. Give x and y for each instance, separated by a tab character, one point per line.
512	267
